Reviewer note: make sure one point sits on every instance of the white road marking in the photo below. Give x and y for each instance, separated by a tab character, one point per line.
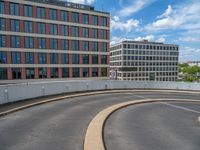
181	107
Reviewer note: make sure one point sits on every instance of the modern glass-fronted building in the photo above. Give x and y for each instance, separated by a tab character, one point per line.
144	60
53	39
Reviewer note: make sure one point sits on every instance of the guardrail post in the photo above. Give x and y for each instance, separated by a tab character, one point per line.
6	96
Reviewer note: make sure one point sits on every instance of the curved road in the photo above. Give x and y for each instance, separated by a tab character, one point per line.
63	124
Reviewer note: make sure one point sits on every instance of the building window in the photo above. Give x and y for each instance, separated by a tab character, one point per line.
14	25
29	58
94	72
75	59
85	58
65	72
103	59
95	33
52	14
94	20
75	17
42	58
15	41
28	26
28	42
41	12
103	72
3	74
28	11
104	47
3	57
54	72
64	30
94	46
54	58
41	43
2	41
53	29
63	16
75	31
85	72
30	73
41	28
75	45
2	7
53	44
94	59
14	9
65	58
42	73
85	32
16	73
65	44
16	57
103	34
2	24
103	21
75	72
85	19
85	45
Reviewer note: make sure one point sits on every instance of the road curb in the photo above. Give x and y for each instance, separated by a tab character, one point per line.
94	134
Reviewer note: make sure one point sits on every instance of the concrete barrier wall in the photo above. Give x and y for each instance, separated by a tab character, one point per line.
16	92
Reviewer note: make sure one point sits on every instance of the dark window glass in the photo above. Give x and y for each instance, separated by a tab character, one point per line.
75	72
2	7
65	44
85	45
95	33
2	41
42	73
16	73
42	58
53	44
75	31
85	32
14	25
64	30
41	43
103	59
75	45
16	57
54	58
52	14
30	73
75	59
65	72
85	19
65	58
28	42
94	72
3	59
103	21
85	58
104	47
41	28
53	29
94	46
29	58
3	74
28	26
15	41
2	24
94	59
103	34
54	72
75	17
63	16
28	11
14	9
94	20
85	72
41	12
103	72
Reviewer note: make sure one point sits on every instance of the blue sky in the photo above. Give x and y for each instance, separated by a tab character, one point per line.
169	21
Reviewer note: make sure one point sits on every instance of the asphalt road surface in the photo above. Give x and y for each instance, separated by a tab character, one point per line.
62	125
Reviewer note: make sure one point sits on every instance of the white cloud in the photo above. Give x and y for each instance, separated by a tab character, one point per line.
167	12
82	1
148	37
161	40
189	53
126	26
189	39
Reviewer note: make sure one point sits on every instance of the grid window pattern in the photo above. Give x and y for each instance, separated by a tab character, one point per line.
41	28
29	58
75	45
41	43
28	11
94	46
94	59
85	45
103	59
14	9
16	57
65	72
2	41
94	20
85	32
2	7
65	58
64	30
54	58
64	44
104	47
75	17
2	24
95	33
75	31
3	74
85	18
28	26
41	12
52	14
63	16
85	58
53	43
15	41
14	25
42	58
3	57
28	42
53	29
75	58
103	21
75	72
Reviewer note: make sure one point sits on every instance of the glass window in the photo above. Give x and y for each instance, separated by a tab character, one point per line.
94	46
65	72
53	29
2	24
103	21
41	43
64	30
28	42
94	59
14	25
75	31
16	57
52	14
103	59
75	17
94	20
3	58
2	7
95	33
28	26
65	58
41	28
85	19
63	16
103	34
42	73
75	45
94	72
54	72
41	12
104	47
85	58
65	44
15	41
30	73
85	72
3	74
16	73
75	59
75	72
29	58
42	58
14	9
28	11
103	72
2	41
53	44
85	32
54	58
85	45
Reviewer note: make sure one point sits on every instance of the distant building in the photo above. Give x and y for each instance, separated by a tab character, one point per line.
53	39
144	60
194	63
